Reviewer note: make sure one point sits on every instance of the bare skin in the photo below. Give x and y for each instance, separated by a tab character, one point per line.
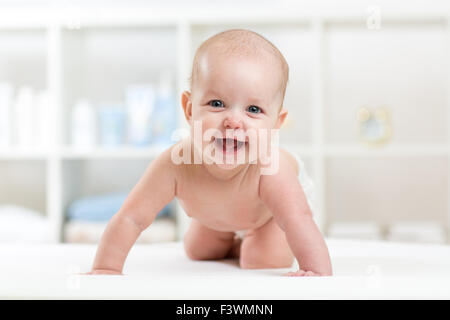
236	93
236	205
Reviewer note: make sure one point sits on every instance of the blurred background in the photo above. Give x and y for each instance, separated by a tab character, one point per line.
90	95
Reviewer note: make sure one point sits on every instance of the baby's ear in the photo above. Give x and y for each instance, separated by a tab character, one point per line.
187	105
281	118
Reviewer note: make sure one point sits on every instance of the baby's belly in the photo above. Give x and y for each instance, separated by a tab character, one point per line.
225	218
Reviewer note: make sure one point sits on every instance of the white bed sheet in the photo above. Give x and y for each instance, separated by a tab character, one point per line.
362	270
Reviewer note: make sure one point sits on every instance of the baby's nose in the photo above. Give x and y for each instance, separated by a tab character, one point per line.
232	122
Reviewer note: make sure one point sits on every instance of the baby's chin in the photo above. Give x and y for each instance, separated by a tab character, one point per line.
229	166
225	164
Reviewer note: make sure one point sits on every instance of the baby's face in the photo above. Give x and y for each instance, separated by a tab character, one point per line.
236	95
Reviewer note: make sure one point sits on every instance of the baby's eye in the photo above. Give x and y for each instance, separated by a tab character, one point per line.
254	109
216	103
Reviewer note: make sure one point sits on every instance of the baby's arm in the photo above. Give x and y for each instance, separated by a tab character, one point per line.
284	196
154	190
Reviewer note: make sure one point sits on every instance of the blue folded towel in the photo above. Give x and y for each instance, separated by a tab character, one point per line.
101	208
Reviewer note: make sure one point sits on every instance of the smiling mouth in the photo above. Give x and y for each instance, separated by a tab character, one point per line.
229	145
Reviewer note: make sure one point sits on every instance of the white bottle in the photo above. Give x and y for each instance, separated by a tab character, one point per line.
24	116
140	101
5	114
42	118
84	124
164	117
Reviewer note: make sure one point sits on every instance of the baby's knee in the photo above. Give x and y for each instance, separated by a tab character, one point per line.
196	251
192	251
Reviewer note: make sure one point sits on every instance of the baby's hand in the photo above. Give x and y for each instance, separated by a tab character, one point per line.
302	273
103	271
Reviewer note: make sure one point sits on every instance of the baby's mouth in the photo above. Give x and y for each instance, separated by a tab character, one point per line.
229	145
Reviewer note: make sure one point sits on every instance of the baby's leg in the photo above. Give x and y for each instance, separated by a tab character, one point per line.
235	250
202	243
266	247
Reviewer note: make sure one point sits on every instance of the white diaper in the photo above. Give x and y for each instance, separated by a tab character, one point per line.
308	188
307	184
241	233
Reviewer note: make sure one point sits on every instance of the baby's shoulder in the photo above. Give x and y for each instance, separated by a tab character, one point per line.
288	170
165	160
283	180
288	159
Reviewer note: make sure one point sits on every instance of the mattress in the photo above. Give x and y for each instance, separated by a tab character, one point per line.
362	270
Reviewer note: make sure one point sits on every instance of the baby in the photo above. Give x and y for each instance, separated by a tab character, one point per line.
238	210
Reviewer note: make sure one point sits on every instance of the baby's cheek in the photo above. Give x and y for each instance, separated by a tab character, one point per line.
260	145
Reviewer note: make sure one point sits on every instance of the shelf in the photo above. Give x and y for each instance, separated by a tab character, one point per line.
155	14
70	153
330	78
23	154
151	152
344	150
390	150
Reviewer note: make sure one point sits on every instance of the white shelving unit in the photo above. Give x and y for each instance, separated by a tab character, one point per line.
313	97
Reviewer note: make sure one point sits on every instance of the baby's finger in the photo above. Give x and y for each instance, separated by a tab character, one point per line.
299	273
102	272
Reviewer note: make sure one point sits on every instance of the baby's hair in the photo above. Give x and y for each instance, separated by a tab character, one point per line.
241	42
